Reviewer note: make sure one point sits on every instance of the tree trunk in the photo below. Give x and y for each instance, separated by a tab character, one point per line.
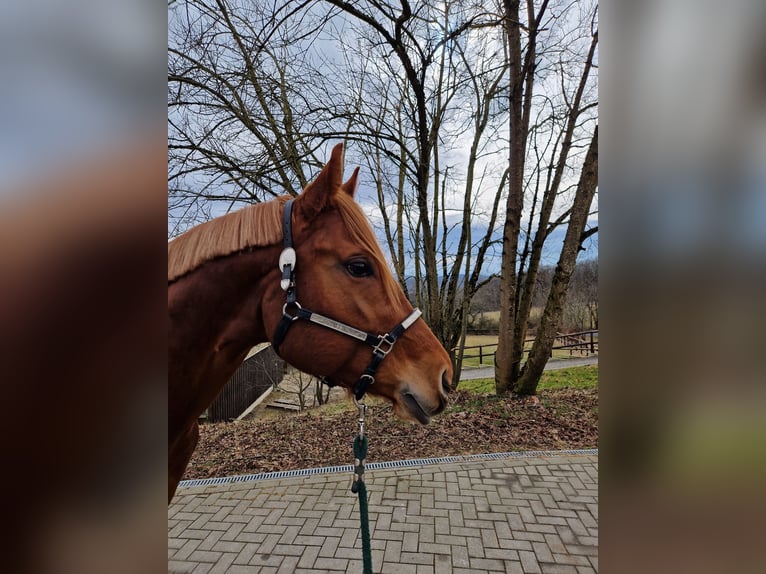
518	130
541	348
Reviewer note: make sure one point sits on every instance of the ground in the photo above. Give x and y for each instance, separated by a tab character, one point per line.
560	418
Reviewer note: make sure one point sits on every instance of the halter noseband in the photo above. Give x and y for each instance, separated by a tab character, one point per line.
381	344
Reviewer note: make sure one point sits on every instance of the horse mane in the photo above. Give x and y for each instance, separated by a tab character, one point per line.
260	225
256	225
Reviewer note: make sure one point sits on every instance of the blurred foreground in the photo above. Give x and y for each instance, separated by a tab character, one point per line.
82	266
683	246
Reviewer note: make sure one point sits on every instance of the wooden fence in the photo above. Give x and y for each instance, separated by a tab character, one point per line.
583	343
259	372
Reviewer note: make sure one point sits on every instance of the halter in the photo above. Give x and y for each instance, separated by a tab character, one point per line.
381	344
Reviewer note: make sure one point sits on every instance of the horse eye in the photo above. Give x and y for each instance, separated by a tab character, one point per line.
359	268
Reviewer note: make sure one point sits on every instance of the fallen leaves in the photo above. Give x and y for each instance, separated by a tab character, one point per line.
559	419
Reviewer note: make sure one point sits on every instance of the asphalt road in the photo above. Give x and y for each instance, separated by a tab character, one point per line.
472	373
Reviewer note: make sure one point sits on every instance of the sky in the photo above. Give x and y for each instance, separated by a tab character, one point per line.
74	79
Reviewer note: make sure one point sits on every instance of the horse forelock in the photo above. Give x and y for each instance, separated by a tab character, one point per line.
256	225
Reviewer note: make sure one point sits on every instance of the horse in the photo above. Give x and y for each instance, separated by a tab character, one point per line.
307	275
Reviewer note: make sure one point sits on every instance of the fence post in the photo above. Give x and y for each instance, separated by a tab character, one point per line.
481	355
592	348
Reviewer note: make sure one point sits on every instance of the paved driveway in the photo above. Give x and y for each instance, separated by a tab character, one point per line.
534	512
471	373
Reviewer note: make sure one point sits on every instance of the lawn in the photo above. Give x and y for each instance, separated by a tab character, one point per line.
571	378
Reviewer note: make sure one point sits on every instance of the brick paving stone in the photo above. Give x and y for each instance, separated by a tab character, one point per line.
393	551
529	562
489	538
460	557
184	552
443	564
525	514
513	567
434	548
266	559
410	542
308	557
531	536
289	564
223	563
543	552
558	569
329	547
204	556
512	544
464	531
416	558
288	550
475	548
487	565
331	564
571	559
244	555
502	554
392	568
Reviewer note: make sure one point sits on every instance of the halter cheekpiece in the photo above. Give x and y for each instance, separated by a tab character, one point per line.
381	344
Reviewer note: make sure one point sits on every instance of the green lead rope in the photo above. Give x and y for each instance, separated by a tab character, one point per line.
358	487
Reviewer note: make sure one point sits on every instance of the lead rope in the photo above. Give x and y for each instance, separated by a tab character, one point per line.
358	487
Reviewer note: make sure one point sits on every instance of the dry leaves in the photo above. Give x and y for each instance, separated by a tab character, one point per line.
561	419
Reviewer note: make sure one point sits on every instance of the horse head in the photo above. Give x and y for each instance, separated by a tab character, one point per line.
340	272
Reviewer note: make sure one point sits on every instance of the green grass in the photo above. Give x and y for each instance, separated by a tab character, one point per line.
573	378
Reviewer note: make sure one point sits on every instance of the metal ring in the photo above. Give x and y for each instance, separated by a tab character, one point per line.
286	314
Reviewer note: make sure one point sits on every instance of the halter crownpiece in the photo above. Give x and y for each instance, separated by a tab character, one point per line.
381	344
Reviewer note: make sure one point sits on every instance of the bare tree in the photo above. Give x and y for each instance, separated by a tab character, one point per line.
428	84
559	130
297	383
245	104
541	348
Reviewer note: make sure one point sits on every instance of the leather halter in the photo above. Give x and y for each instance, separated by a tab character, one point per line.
381	344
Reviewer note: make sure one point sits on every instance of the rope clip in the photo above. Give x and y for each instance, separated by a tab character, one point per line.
362	411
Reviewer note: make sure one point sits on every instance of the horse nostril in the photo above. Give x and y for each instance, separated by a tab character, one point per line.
446	382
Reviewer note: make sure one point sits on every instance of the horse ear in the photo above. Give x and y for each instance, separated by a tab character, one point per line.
329	181
352	184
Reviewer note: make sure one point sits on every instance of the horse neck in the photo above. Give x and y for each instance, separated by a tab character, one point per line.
215	318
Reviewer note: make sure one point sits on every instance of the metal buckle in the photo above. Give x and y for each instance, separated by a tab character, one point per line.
385	345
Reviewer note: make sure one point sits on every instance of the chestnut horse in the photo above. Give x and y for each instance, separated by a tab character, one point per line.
282	269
